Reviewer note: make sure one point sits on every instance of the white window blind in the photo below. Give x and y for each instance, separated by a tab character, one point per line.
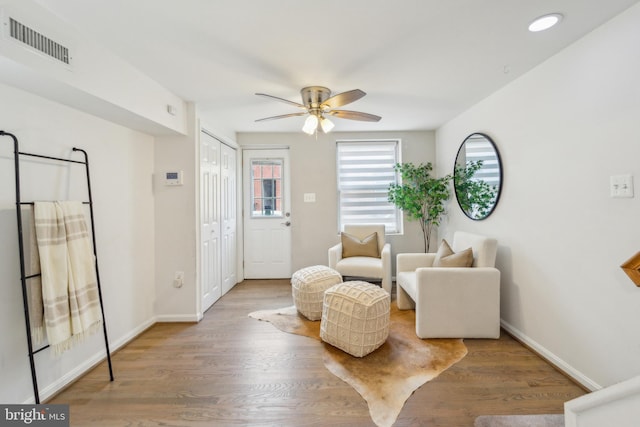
477	148
365	169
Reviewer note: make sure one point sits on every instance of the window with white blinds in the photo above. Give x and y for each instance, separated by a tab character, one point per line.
365	169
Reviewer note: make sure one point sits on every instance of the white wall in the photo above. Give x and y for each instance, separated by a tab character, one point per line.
176	222
97	82
175	225
563	129
121	163
313	170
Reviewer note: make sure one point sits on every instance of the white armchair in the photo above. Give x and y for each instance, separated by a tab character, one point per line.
363	266
452	302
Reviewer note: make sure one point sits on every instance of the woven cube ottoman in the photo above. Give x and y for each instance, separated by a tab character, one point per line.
355	317
308	285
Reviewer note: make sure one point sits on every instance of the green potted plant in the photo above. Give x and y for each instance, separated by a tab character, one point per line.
476	197
421	196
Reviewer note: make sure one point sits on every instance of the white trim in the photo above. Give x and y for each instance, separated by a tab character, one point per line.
89	364
170	318
551	357
628	390
369	140
265	147
226	141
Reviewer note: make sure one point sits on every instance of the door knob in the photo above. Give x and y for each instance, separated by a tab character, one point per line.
288	223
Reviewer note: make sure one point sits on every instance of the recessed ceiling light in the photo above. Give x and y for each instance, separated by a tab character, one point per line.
545	22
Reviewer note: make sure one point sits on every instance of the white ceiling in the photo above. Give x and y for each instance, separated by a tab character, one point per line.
421	62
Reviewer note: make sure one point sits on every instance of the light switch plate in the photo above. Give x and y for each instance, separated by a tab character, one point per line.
309	197
621	186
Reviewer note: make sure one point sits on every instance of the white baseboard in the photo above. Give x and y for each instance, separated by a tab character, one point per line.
88	364
71	376
168	318
550	357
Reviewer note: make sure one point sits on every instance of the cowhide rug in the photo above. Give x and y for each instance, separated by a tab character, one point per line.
387	377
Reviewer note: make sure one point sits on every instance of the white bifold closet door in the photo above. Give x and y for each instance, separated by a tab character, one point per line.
218	192
228	213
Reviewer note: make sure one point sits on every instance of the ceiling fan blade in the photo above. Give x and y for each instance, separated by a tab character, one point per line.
281	117
281	100
344	98
355	115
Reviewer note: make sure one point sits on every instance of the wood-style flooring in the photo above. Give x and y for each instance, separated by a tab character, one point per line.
231	370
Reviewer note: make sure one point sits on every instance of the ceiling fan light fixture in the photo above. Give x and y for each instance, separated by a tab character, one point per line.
545	22
318	102
326	125
310	125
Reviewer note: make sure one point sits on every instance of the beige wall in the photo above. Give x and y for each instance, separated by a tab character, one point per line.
313	170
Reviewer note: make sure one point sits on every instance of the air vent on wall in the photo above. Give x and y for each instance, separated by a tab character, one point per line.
41	43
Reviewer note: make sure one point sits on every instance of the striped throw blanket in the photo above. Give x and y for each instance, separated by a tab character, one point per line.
69	284
34	294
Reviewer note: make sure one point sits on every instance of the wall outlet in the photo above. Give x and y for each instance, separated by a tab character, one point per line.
178	279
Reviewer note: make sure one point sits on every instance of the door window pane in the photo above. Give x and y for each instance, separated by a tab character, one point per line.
266	191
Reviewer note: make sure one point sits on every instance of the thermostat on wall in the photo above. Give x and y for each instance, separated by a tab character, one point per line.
173	178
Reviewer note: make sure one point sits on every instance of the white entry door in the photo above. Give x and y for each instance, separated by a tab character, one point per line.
267	217
210	220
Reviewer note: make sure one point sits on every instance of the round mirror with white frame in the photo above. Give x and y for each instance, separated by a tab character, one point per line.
477	176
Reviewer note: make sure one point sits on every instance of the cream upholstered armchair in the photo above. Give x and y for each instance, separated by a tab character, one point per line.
359	254
452	302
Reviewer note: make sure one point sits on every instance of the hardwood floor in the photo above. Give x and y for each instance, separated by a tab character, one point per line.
231	370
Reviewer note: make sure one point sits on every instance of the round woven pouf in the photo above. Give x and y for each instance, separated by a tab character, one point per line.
355	317
308	285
